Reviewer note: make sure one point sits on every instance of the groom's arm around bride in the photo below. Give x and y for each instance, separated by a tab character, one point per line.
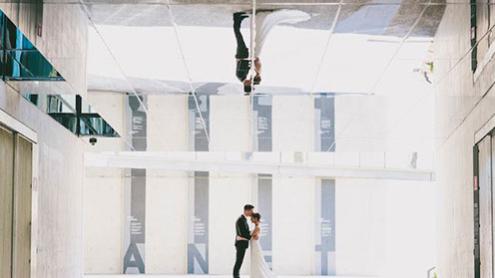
242	231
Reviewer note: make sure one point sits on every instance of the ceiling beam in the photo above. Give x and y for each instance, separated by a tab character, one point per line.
285	164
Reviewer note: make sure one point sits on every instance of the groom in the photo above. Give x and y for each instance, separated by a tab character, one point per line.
243	235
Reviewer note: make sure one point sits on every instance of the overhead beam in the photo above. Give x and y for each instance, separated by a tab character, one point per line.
294	164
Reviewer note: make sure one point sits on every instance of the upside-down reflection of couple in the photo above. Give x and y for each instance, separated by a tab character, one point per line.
265	21
245	238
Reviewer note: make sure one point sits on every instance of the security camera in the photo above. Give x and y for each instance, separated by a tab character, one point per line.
93	140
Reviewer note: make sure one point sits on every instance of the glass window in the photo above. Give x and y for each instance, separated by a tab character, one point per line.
19	59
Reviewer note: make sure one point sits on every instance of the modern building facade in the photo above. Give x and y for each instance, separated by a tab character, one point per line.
128	147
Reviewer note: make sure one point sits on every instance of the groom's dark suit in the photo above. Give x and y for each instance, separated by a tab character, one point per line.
242	230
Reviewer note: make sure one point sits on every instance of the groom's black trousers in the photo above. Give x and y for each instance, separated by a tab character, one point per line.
240	252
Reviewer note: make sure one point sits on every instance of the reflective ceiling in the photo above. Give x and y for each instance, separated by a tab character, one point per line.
377	54
349	47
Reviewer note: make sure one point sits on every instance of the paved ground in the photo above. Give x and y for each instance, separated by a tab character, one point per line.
209	276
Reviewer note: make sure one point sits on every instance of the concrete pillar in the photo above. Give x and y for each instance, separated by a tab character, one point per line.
167	192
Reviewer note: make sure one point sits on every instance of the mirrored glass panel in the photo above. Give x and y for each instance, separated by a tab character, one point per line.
20	60
75	115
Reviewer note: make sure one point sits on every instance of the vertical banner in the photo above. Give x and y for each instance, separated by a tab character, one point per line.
265	194
325	191
136	194
199	122
262	109
325	123
325	228
197	249
197	253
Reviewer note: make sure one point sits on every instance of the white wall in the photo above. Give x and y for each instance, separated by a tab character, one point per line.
167	192
385	227
411	239
293	225
168	123
293	123
230	123
463	105
103	218
166	222
104	193
59	223
360	227
111	106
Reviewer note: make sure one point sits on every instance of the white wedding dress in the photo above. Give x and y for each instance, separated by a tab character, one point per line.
265	21
259	267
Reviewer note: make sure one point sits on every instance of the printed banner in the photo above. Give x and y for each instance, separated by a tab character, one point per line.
325	228
199	122
262	109
325	123
134	262
198	238
262	113
197	250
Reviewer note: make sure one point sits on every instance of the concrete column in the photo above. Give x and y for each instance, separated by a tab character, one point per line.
230	130
230	124
293	123
293	225
167	192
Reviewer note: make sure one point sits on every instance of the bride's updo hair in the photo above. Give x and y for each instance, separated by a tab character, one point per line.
256	216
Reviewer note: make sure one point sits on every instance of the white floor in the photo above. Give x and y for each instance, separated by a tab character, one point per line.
203	276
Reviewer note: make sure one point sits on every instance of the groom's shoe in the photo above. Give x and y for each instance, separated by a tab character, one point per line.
239	16
265	10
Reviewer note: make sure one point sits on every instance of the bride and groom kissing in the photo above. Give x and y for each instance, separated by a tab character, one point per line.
244	238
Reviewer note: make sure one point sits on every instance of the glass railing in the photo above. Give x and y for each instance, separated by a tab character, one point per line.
73	114
24	68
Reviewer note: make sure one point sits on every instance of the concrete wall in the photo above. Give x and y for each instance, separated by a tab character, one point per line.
463	104
293	123
58	191
103	197
293	222
385	228
63	36
167	192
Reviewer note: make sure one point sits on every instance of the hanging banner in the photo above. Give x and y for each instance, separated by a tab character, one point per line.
134	260
197	250
325	123
262	113
262	110
325	191
325	228
199	122
198	235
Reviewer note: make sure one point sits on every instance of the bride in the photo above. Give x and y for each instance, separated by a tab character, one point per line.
259	267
